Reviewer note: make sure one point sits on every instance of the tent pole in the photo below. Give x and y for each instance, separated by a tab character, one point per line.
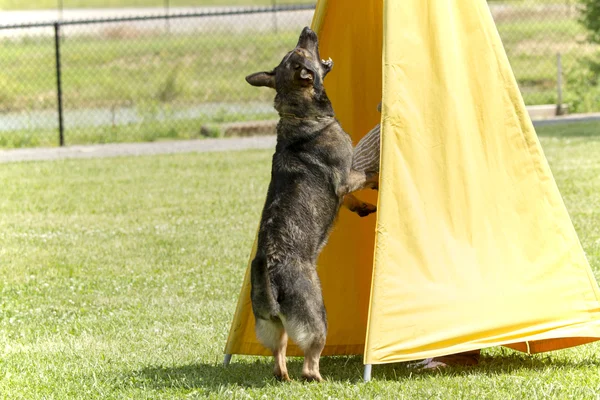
227	360
367	373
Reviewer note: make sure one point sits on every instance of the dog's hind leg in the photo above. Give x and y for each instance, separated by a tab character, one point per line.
312	354
273	336
310	337
280	370
307	327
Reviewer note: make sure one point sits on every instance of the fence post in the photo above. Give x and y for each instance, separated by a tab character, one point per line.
274	2
167	11
61	137
559	109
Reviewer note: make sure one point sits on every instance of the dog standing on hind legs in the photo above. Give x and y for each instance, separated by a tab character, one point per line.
311	177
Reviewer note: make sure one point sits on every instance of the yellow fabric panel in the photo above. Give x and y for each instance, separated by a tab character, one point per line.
474	245
345	266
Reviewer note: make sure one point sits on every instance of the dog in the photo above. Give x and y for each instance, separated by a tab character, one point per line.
311	178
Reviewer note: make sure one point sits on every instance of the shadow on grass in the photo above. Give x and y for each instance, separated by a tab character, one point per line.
211	377
258	373
570	130
245	372
488	365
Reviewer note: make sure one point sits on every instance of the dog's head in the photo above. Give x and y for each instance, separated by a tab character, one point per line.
301	71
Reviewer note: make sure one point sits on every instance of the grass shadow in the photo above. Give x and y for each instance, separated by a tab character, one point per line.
248	373
590	129
211	377
488	365
244	372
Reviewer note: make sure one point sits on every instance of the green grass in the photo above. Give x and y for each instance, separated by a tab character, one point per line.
125	67
532	42
584	130
146	73
52	4
148	130
121	70
119	278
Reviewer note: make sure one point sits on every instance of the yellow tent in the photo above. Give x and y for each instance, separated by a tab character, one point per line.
472	245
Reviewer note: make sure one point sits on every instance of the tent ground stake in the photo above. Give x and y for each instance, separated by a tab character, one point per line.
227	360
367	373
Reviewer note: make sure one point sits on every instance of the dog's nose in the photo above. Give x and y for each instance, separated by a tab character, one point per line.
308	33
308	39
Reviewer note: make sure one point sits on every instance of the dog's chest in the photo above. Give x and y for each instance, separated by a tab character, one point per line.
326	149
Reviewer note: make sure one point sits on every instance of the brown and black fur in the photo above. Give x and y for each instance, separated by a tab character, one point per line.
309	178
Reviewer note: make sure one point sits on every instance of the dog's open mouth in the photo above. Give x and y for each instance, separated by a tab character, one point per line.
308	46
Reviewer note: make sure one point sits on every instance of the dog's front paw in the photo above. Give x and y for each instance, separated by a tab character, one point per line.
372	181
365	209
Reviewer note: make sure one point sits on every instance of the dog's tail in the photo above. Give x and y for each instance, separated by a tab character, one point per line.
264	303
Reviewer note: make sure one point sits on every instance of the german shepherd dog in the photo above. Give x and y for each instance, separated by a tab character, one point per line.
310	177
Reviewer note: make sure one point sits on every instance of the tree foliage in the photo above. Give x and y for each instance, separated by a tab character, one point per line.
590	17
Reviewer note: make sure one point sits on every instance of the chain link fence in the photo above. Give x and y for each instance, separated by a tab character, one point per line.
547	49
182	76
66	6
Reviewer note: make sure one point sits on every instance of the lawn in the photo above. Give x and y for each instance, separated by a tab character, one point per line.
149	129
150	73
133	67
52	4
532	38
120	68
120	278
151	76
49	4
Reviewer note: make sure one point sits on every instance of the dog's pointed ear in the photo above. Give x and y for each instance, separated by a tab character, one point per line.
306	75
262	79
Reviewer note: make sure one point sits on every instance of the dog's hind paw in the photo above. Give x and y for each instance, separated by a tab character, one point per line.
312	377
282	377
